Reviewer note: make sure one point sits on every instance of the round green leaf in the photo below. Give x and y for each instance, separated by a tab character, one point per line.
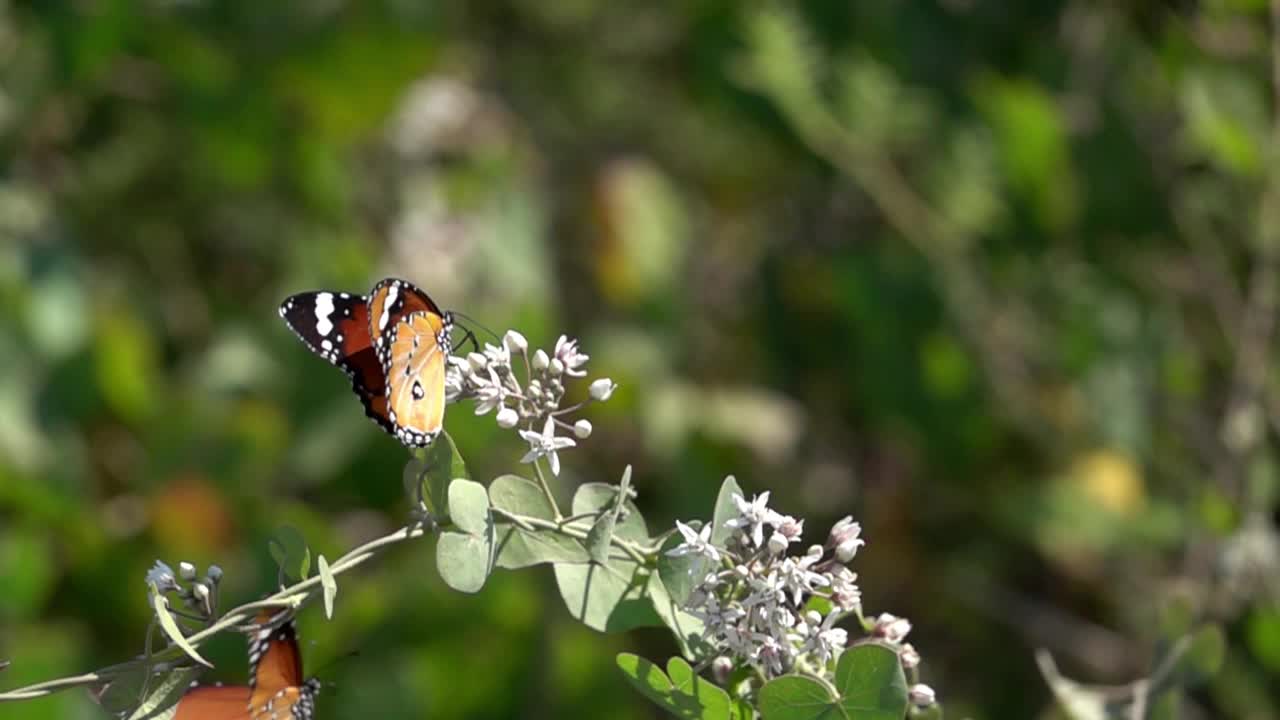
518	548
464	560
683	694
599	497
469	506
796	697
869	684
609	597
520	496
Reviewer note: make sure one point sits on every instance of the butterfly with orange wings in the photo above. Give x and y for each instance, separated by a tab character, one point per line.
276	690
394	344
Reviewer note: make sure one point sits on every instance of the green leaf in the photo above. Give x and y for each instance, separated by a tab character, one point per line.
161	606
122	694
428	475
162	698
797	697
469	506
609	597
681	574
519	548
600	497
686	628
726	510
520	496
289	549
463	560
683	694
328	584
869	684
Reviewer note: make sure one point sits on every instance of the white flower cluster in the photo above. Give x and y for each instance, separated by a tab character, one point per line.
757	600
530	404
199	595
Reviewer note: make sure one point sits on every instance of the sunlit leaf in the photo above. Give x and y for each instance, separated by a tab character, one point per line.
163	695
329	585
678	691
161	606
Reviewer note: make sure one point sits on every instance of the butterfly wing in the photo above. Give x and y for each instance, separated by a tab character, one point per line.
335	326
226	702
392	300
414	364
277	690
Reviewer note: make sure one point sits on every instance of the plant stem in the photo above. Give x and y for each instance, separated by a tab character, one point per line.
293	596
636	552
546	490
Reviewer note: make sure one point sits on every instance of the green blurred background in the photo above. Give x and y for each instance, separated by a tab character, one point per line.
996	278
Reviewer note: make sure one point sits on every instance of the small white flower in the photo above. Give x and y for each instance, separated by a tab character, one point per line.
540	360
498	355
844	588
582	429
891	627
453	384
778	543
488	397
751	517
161	575
186	571
696	542
545	444
909	657
515	342
790	527
922	695
507	418
845	540
721	669
477	361
571	360
602	389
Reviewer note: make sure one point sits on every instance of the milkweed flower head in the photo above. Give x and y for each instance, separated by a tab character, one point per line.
526	388
767	604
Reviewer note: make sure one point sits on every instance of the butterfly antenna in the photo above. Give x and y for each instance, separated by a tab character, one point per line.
472	321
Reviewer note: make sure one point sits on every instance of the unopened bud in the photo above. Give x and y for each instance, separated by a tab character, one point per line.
201	591
477	361
892	627
922	695
909	657
557	367
813	617
778	543
515	342
215	574
601	389
582	429
721	669
507	418
186	571
540	360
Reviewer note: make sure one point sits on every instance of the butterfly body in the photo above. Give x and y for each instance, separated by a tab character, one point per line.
393	344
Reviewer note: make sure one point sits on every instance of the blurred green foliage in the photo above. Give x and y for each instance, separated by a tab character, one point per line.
996	278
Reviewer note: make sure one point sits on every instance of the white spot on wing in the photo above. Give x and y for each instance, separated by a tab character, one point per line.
326	344
324	308
386	305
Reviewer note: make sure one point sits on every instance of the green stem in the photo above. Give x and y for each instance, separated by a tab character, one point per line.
636	552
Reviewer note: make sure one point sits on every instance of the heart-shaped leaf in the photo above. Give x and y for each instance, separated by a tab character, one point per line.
681	574
682	694
464	557
869	685
469	506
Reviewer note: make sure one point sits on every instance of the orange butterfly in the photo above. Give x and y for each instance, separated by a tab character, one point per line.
394	344
276	690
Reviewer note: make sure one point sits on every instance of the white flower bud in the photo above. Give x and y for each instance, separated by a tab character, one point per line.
201	591
477	361
214	574
721	669
582	429
601	389
847	549
921	695
507	418
186	571
813	617
557	367
777	543
515	342
540	360
909	657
